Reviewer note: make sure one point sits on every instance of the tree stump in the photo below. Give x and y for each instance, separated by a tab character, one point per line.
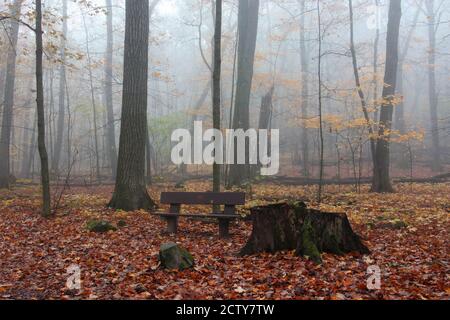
310	232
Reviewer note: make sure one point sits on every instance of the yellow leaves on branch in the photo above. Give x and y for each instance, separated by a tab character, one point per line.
335	123
417	136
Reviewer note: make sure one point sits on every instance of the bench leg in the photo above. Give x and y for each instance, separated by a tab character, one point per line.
224	228
172	224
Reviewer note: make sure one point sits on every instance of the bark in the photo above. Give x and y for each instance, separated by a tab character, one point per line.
5	136
381	179
248	30
45	180
62	96
110	126
309	232
216	86
130	190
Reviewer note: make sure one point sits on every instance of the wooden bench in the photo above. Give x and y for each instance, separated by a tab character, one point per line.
176	199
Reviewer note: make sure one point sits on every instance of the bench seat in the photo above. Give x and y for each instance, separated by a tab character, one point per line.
176	199
193	215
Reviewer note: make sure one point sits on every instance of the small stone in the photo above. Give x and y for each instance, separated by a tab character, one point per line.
121	223
172	256
139	288
100	226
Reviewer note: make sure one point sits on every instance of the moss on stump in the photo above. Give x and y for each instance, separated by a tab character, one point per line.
295	227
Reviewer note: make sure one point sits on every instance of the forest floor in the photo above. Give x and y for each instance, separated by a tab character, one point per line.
407	232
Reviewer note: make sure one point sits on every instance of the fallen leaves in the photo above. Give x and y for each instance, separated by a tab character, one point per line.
123	264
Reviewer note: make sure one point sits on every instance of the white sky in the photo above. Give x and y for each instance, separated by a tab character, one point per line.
167	8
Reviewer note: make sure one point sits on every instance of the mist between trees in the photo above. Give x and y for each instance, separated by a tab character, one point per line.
358	90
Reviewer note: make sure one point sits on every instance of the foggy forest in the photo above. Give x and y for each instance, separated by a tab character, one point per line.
224	150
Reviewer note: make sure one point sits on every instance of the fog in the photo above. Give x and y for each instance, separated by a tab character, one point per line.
180	64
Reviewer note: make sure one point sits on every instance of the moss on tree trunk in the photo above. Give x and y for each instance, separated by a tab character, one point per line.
295	227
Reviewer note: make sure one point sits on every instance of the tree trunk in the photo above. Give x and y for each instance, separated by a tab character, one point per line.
321	133
294	227
248	30
110	126
5	137
401	150
216	87
381	179
361	95
400	110
51	112
25	141
305	90
62	96
432	93
265	116
45	180
130	191
375	69
94	108
28	161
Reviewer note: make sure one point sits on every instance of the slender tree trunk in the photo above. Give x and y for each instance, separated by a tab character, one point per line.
248	30
321	134
381	179
361	95
110	126
25	141
305	90
375	70
432	93
265	114
400	108
130	191
94	109
28	161
5	136
2	86
401	150
50	115
69	128
45	180
216	87
62	95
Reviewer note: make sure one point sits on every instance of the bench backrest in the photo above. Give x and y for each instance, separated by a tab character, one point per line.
217	198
